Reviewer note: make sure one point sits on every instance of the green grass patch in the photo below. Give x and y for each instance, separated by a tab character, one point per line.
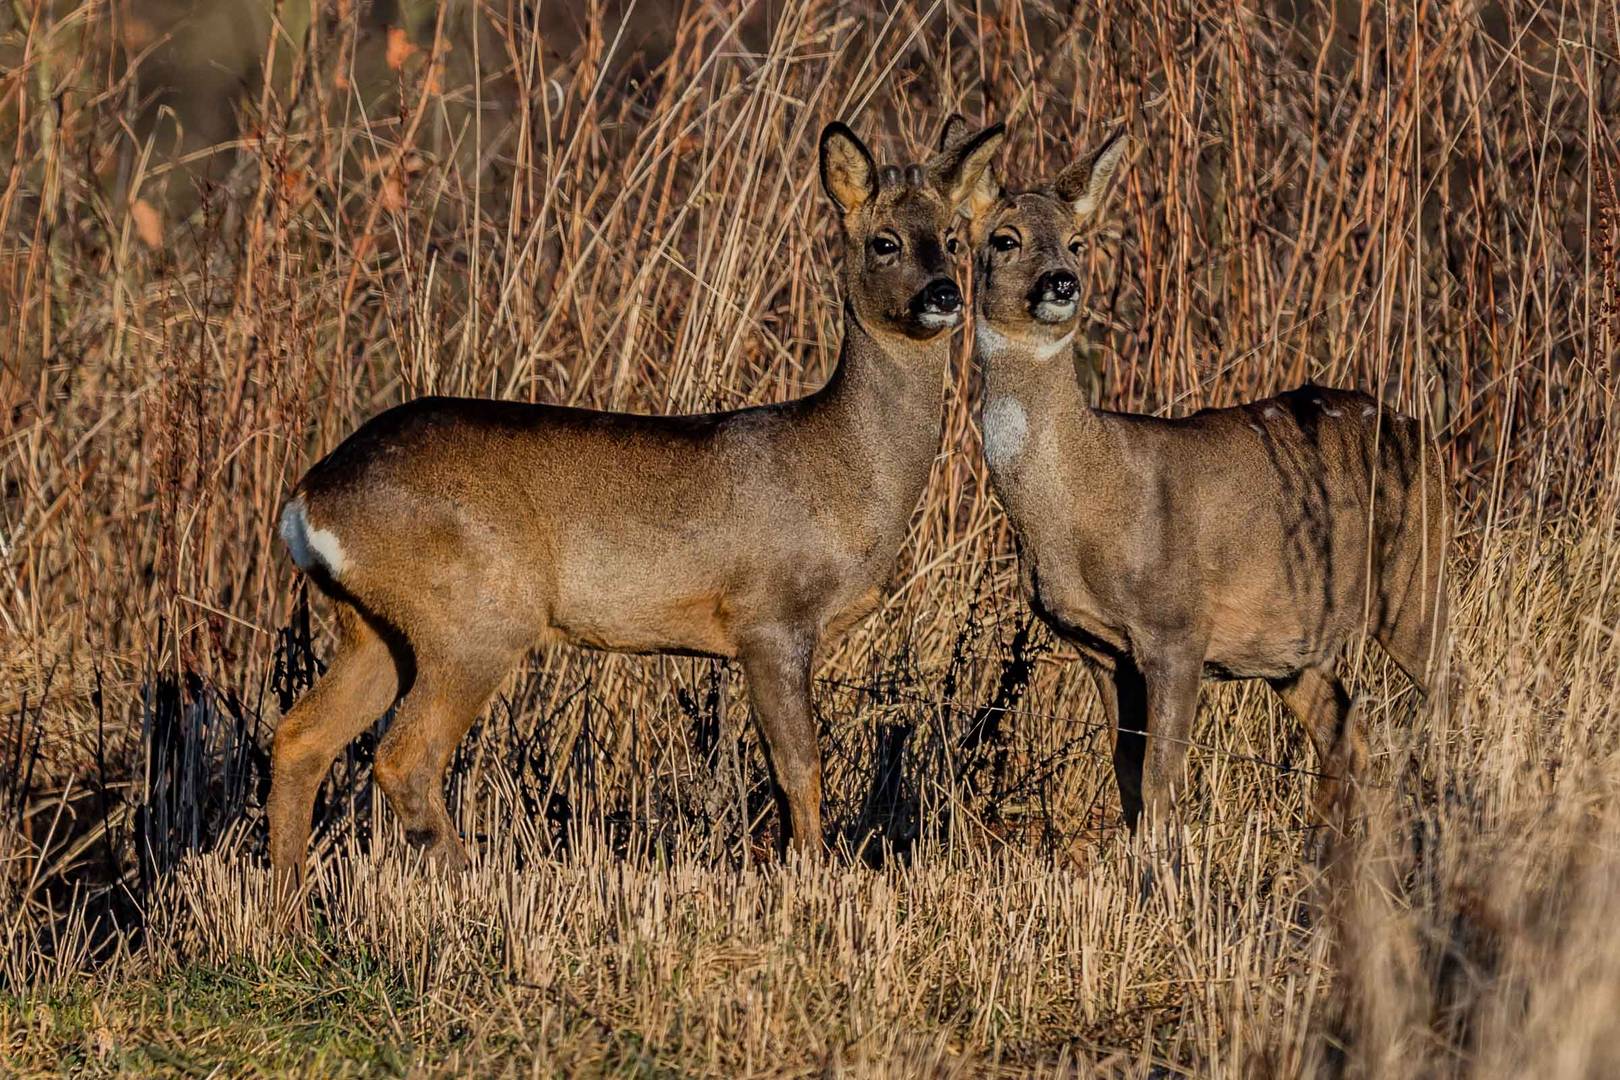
307	1013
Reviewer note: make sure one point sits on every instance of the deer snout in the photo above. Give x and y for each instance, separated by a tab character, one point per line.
941	295
939	304
1053	298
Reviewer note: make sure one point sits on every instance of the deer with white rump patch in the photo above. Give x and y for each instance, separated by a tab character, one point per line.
454	534
1248	542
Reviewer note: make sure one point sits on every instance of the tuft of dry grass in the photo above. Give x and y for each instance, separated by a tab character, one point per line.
397	199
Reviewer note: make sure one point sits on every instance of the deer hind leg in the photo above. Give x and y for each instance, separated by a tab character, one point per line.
358	687
432	720
778	670
1319	700
1412	587
1413	635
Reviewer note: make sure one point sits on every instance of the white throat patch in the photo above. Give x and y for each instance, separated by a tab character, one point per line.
1005	430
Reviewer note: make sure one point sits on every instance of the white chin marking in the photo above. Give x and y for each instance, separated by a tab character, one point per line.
1051	311
938	320
991	343
1051	349
308	546
1005	429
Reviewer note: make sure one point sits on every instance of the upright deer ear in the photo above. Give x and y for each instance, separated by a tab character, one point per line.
961	170
847	170
1084	185
954	133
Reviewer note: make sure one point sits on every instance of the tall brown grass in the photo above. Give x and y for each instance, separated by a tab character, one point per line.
1418	200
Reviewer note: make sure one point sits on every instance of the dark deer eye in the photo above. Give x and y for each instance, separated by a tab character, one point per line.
1004	241
951	245
1076	246
882	245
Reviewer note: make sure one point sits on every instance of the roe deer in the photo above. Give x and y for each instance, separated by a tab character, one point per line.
454	534
1246	542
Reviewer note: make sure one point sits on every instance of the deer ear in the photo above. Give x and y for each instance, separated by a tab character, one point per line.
954	133
961	170
847	170
1084	185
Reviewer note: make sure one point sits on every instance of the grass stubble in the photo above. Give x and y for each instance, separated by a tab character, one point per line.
1419	202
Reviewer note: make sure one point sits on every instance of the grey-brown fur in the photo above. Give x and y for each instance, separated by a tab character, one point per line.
1248	542
455	534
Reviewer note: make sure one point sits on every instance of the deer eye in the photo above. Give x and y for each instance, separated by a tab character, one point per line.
883	245
952	245
1005	241
1076	246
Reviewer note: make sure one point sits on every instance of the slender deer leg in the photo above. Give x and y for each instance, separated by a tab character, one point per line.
1103	680
1318	699
1125	701
411	760
1171	691
358	687
778	670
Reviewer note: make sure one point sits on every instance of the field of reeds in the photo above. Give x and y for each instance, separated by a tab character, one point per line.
230	232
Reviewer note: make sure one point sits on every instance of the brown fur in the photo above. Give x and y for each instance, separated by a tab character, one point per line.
1248	542
470	530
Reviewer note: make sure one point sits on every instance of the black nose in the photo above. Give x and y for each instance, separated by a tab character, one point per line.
942	295
1058	286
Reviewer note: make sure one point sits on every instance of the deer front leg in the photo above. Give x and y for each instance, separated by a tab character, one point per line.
1125	703
778	668
1170	683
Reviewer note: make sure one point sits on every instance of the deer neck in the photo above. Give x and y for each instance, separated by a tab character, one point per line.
1036	423
884	399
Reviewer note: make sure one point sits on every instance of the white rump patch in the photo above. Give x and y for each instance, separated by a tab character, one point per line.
1005	429
310	547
